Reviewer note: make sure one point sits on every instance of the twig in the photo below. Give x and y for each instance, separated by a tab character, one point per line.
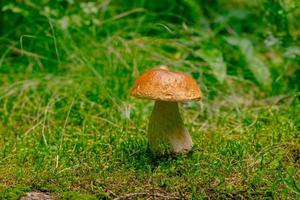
131	195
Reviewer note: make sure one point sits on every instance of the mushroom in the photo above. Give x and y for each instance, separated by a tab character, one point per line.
166	129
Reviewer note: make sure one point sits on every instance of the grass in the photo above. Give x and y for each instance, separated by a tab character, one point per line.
68	126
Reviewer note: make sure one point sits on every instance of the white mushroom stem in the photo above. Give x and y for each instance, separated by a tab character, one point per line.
166	129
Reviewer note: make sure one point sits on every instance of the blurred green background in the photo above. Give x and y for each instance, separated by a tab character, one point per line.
256	41
69	127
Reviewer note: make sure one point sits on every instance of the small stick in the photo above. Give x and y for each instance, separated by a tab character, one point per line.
131	195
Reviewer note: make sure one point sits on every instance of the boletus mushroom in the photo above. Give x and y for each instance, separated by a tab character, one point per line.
166	130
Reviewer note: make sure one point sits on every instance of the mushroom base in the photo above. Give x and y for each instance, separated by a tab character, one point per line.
166	131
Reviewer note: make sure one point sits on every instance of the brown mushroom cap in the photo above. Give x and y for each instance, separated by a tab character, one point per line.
162	84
